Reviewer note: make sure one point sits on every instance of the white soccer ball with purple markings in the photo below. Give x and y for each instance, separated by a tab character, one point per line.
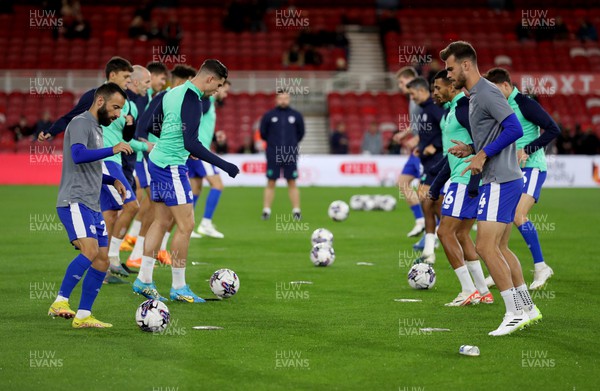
356	202
322	235
224	283
338	210
387	203
421	276
152	316
322	254
369	202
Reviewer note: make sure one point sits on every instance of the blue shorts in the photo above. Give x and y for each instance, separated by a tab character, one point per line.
498	201
274	168
142	173
170	184
458	204
534	179
110	199
200	168
413	166
83	222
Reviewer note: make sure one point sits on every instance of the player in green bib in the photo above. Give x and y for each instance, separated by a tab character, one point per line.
198	169
531	155
458	209
117	213
179	119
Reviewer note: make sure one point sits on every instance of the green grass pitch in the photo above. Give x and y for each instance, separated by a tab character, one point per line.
343	332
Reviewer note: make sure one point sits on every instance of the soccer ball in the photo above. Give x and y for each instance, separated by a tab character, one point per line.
369	203
421	276
322	235
338	210
356	202
152	316
322	254
224	283
388	203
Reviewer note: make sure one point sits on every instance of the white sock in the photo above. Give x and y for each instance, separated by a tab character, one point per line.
420	221
146	269
539	266
178	277
61	298
163	245
135	228
81	314
429	244
524	297
477	274
113	248
267	210
465	279
138	248
206	221
511	301
296	210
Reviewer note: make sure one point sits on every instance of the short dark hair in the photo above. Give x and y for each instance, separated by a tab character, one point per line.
418	82
443	75
183	72
107	90
406	72
215	67
498	76
117	64
157	68
461	50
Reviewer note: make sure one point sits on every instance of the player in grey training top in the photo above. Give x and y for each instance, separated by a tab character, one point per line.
78	205
81	182
495	128
487	109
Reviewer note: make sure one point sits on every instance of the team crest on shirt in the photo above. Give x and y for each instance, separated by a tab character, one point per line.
274	119
291	119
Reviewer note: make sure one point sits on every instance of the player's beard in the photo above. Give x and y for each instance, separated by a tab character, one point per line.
103	117
460	81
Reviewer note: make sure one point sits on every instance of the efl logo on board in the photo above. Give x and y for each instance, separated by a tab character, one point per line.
361	168
254	167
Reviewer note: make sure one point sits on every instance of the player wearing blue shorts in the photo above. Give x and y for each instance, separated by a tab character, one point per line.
119	213
530	152
180	114
282	128
142	98
412	169
78	205
430	153
458	209
495	129
144	130
200	170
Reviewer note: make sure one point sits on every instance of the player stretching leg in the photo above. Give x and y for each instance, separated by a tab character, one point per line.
158	79
430	153
181	111
199	169
458	210
118	213
530	152
180	74
78	204
412	168
495	128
